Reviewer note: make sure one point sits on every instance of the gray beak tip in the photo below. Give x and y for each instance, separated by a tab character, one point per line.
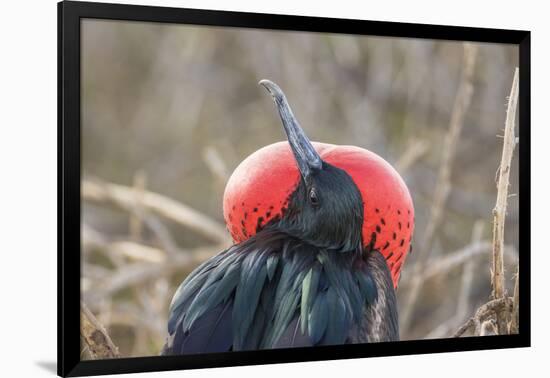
307	158
272	88
264	82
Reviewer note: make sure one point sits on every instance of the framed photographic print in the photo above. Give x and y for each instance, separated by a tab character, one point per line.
239	188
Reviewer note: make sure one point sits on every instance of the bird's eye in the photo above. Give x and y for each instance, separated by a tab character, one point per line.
313	199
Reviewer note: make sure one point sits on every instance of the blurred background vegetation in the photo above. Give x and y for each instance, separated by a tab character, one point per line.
173	109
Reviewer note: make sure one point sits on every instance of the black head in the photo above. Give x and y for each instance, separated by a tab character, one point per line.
326	209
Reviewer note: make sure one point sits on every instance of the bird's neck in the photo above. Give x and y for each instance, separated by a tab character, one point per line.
298	232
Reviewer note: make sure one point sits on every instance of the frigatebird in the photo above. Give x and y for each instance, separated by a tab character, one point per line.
320	235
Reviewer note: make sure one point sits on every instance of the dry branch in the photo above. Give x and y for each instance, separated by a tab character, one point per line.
162	234
136	216
460	108
98	343
514	322
153	263
136	251
415	150
463	302
499	212
138	273
442	265
141	268
216	164
487	328
454	259
504	309
124	197
488	309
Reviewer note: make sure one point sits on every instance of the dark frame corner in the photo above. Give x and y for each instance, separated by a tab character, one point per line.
69	17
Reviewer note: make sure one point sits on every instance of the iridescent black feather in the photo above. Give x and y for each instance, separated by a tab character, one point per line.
274	291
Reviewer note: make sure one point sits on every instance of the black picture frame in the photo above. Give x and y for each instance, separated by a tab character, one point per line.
70	15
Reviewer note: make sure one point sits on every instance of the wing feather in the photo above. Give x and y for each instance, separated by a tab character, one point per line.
275	292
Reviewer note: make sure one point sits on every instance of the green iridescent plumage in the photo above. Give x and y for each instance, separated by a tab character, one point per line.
276	283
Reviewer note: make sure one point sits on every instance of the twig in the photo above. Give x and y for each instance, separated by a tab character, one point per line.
136	216
451	260
98	342
136	251
138	273
216	164
92	239
162	234
467	275
96	272
499	212
514	322
467	257
415	150
454	259
443	265
484	329
501	305
460	108
124	197
482	314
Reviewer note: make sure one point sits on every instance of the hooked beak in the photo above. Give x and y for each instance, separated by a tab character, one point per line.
307	158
